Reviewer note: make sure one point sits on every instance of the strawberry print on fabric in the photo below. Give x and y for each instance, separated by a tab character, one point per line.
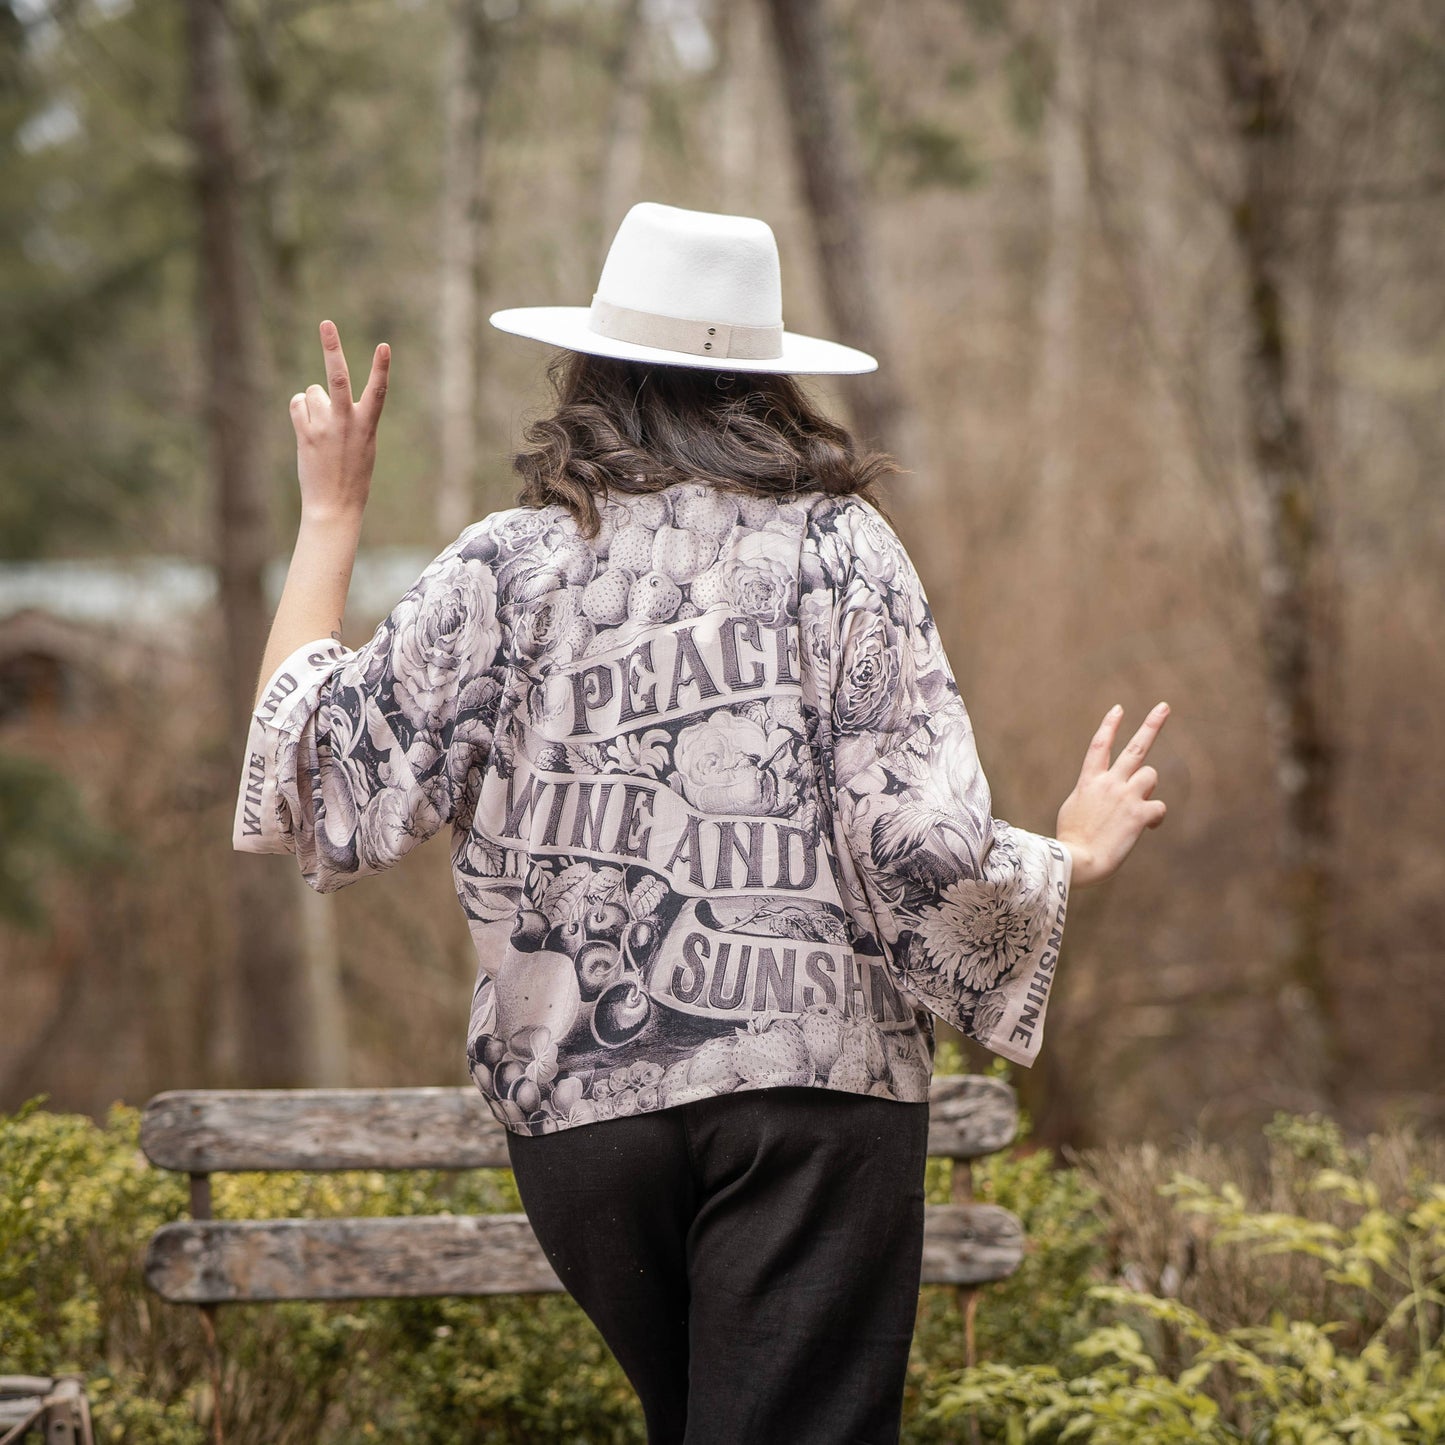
718	821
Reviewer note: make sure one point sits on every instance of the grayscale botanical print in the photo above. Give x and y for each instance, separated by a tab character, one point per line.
717	815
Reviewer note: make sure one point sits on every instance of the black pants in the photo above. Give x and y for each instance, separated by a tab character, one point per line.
752	1260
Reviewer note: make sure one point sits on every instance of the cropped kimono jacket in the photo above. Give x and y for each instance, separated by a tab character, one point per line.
717	816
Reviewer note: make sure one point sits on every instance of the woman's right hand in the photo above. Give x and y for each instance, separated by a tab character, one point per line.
336	436
1102	819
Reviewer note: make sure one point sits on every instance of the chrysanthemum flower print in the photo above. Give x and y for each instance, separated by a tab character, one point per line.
977	935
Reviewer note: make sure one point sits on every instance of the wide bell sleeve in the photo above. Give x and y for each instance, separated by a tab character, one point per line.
969	907
355	756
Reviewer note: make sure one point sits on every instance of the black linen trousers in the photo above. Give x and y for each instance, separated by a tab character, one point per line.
752	1260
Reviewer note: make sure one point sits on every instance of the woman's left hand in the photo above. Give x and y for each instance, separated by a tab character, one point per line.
335	436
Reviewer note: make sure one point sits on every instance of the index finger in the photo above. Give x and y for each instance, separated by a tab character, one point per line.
1101	745
338	379
1138	746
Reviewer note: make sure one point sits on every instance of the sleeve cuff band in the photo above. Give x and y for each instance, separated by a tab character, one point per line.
286	701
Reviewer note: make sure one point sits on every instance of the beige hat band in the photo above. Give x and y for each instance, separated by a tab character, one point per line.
677	333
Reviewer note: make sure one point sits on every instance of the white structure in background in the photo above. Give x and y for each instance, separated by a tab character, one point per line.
71	629
155	594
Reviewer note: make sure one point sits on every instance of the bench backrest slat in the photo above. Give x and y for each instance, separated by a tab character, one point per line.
206	1130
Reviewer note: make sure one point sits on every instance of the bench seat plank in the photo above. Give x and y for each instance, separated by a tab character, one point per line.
211	1260
215	1261
202	1131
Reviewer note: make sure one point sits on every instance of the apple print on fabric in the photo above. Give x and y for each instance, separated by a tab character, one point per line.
717	816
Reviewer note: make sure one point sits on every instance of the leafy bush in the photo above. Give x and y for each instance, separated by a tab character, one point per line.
1155	1368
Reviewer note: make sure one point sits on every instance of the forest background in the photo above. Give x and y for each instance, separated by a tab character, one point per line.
1157	289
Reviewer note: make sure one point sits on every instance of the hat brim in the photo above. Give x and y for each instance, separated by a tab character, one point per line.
567	326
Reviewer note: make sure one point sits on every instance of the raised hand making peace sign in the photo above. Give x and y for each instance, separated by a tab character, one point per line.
335	454
336	436
1110	806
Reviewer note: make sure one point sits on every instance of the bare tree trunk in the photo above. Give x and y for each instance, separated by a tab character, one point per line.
466	74
1150	269
1053	1091
1291	499
736	118
1057	377
285	368
270	1001
825	150
627	127
1163	237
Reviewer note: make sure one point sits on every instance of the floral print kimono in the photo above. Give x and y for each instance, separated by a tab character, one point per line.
716	812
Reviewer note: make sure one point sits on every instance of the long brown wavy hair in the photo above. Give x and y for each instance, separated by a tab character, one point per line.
636	427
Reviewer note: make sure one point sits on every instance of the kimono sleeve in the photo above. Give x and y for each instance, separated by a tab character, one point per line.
355	756
971	909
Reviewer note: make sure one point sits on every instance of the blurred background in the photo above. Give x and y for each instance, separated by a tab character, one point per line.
1157	286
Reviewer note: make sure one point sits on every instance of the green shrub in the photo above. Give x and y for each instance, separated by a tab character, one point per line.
1156	1369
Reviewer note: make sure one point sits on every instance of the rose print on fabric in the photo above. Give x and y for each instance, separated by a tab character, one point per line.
550	626
718	820
857	540
762	587
436	636
730	764
873	675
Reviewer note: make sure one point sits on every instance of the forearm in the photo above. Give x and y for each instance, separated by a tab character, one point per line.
313	600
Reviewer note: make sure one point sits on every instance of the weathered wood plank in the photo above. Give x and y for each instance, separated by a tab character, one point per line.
970	1115
205	1130
234	1261
970	1243
213	1260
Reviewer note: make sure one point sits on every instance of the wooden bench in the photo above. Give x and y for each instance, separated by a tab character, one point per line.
51	1409
209	1262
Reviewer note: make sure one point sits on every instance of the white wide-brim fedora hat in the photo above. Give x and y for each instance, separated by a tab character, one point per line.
688	288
